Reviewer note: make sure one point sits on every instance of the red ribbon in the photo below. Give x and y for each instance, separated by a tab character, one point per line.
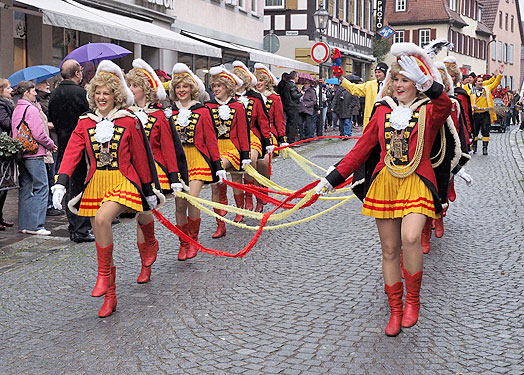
254	240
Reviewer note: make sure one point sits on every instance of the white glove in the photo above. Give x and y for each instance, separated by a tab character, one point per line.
177	186
323	187
152	201
58	194
466	177
270	148
221	174
411	70
245	162
330	169
284	144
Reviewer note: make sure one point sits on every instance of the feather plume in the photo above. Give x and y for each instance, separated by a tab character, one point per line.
435	46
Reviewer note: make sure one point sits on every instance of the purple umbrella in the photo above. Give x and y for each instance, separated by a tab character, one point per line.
96	52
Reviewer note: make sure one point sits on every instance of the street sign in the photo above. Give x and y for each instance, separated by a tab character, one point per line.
320	52
271	43
386	32
381	7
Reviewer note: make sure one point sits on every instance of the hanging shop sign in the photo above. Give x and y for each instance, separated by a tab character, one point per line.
381	9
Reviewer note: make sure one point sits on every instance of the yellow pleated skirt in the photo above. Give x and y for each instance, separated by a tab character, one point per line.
390	197
229	151
198	168
256	144
162	178
109	185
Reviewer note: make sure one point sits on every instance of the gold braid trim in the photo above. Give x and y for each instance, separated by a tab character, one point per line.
407	170
441	153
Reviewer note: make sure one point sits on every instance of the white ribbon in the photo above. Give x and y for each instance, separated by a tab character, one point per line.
183	116
104	131
224	112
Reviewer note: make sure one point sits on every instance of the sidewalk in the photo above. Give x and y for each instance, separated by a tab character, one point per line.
18	248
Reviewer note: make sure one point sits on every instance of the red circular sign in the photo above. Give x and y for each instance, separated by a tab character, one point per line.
320	52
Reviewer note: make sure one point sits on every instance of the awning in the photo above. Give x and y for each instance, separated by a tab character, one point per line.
72	15
357	55
257	55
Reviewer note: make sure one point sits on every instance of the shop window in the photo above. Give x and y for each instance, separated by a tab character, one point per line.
186	58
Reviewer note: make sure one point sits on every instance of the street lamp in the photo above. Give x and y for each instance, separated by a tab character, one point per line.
321	17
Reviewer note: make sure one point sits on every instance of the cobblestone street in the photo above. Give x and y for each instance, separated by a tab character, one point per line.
306	300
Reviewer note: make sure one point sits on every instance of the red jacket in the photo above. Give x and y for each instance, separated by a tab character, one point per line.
160	138
276	116
201	133
131	155
258	118
465	102
237	126
437	110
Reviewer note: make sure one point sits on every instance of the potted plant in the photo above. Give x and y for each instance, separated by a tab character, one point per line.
9	149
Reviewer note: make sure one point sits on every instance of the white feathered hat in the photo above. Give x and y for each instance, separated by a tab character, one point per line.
152	77
240	65
180	69
264	69
424	62
221	71
441	66
111	67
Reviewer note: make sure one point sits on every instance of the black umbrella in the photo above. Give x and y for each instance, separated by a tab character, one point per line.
353	78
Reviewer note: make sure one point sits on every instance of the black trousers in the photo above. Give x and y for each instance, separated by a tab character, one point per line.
481	124
3	196
293	119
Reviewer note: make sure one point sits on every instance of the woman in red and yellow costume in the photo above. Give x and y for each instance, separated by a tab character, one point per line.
167	151
265	83
121	173
258	119
402	189
230	121
193	123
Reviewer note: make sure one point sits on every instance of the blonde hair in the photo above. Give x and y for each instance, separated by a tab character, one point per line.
445	80
230	86
262	77
183	78
4	83
246	78
453	71
137	76
113	83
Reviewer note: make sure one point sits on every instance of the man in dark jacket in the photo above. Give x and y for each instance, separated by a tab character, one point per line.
346	106
292	107
68	101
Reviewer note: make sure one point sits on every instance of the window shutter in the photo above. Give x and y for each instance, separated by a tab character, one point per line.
330	8
340	14
415	36
406	35
433	34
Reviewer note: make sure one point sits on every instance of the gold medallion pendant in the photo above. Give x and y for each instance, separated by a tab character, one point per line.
183	137
222	128
105	156
398	145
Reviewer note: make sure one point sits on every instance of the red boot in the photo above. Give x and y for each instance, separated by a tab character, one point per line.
145	272
451	194
221	226
222	198
394	293
151	243
184	245
194	228
439	227
412	298
239	199
104	255
109	305
248	196
426	236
